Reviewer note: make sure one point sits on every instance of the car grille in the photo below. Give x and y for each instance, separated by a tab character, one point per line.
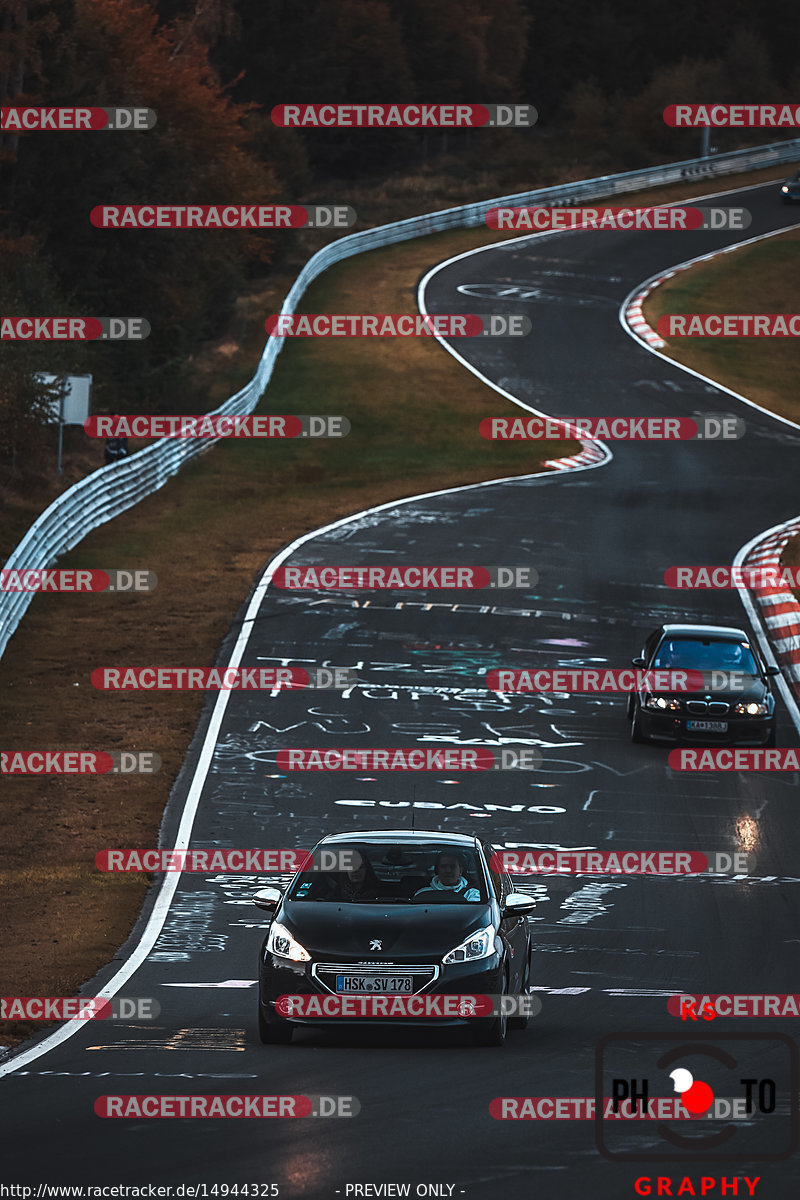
325	973
712	707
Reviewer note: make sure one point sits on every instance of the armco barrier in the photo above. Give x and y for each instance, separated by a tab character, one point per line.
111	490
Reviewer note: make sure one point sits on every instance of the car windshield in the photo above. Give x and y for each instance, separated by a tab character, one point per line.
696	654
392	873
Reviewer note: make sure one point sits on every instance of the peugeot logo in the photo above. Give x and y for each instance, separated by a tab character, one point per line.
376	944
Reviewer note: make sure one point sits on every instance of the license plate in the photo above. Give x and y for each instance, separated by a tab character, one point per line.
374	983
708	726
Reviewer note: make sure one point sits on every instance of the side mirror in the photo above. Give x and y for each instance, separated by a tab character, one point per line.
773	670
638	661
268	898
517	905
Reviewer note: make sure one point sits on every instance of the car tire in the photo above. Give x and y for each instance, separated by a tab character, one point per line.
629	706
522	1022
273	1031
770	737
493	1032
636	729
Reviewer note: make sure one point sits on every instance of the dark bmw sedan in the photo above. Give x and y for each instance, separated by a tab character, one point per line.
736	707
417	914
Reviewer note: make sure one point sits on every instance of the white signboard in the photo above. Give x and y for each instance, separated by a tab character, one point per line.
77	399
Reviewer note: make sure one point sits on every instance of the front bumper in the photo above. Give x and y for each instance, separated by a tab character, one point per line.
480	978
741	731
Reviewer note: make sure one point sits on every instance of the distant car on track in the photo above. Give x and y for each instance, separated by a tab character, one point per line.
790	189
716	716
425	914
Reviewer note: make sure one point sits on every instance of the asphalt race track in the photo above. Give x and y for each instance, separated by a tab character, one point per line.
607	952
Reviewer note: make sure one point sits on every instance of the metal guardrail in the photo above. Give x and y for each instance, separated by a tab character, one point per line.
113	489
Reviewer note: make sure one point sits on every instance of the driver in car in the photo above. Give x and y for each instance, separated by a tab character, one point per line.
449	877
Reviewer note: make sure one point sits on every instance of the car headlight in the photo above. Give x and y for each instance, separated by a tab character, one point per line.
663	703
281	942
784	188
477	945
751	708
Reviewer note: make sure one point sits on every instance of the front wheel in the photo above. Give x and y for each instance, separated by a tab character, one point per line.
636	729
273	1031
770	737
522	1022
492	1032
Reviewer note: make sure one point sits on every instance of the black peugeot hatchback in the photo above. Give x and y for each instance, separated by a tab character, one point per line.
737	707
424	913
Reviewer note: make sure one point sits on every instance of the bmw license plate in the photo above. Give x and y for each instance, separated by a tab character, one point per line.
708	726
375	983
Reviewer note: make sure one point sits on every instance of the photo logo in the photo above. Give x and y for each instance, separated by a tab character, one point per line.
734	1113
